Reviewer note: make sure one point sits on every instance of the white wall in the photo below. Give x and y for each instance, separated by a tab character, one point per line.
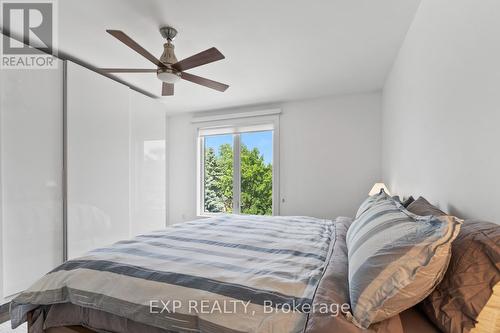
441	107
330	154
181	141
329	157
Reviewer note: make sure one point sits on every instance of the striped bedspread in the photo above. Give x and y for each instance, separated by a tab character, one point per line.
223	274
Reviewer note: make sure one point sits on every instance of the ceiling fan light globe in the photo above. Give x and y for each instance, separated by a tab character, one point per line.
168	77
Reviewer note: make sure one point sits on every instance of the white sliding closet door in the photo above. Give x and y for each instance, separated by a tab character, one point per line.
147	167
31	165
98	158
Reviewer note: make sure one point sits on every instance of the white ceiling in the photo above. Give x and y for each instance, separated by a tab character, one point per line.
275	51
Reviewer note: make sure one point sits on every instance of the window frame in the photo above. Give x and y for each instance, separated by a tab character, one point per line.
236	123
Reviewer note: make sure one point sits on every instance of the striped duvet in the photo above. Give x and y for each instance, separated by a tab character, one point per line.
224	274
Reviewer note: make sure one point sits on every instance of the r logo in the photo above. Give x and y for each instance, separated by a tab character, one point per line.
31	25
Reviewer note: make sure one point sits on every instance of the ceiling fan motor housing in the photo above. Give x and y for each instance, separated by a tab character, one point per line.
168	57
166	73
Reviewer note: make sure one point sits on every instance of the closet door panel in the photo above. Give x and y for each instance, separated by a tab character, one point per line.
31	164
148	170
97	160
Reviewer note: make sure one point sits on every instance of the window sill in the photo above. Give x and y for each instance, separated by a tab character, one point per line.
204	216
208	215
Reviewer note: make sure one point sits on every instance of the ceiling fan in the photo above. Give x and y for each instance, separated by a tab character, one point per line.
168	69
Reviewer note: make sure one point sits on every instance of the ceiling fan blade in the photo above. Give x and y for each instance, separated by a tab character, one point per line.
167	89
204	82
127	70
122	37
199	59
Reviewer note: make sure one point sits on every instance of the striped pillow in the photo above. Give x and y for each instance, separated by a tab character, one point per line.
370	201
396	259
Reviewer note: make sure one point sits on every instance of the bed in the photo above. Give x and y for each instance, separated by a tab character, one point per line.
229	273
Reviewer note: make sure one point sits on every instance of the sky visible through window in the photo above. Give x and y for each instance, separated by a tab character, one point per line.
263	141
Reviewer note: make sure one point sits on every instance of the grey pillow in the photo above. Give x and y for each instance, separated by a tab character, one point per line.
408	202
396	259
333	289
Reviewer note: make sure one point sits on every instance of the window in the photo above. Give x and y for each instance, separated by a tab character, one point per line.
238	168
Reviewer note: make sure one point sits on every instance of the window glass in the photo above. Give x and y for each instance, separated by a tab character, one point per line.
218	174
256	155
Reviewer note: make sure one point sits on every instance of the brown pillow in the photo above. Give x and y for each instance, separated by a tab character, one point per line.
467	286
422	207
